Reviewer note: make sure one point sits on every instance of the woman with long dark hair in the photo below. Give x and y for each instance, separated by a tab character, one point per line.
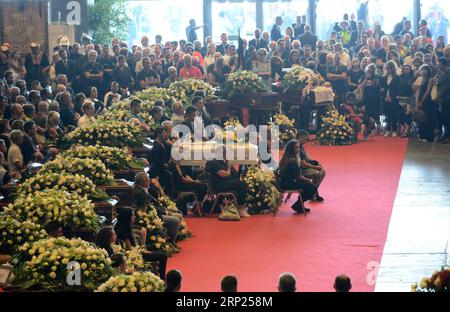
292	178
390	91
124	233
370	88
425	104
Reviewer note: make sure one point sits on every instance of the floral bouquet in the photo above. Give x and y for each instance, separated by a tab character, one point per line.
42	207
438	282
114	115
137	282
184	90
335	130
110	133
14	233
243	83
151	95
262	195
183	233
114	158
287	131
93	169
232	123
62	181
44	265
157	238
133	257
298	78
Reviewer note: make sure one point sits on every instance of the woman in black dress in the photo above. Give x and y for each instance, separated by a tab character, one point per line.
370	87
390	92
354	75
292	178
425	104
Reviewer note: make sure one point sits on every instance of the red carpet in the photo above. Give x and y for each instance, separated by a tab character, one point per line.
342	235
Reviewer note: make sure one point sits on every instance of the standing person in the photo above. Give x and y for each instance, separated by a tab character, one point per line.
36	65
390	88
443	87
66	66
337	74
93	72
425	104
261	66
370	88
123	76
258	42
308	38
299	26
223	47
147	77
354	75
276	32
292	177
191	34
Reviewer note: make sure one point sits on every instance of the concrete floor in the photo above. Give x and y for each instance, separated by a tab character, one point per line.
418	241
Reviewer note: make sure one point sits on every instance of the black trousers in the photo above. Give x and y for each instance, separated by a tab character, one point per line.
392	111
426	128
233	186
309	190
159	257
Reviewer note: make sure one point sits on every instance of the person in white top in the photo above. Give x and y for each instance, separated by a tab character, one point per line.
88	117
15	156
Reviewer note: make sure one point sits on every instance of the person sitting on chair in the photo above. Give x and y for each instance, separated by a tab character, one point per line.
224	178
160	161
143	199
292	178
311	169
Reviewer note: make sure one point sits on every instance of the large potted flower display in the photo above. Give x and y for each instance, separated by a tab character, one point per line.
286	130
262	195
335	130
60	264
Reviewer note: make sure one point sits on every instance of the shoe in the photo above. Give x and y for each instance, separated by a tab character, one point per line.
303	211
404	135
394	134
319	199
243	213
387	134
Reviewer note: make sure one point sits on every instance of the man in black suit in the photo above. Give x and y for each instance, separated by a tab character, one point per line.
308	38
66	66
223	47
142	198
299	26
275	33
258	42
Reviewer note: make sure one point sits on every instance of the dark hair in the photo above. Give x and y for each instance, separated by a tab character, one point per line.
342	283
302	134
52	227
123	226
28	125
190	110
3	124
121	58
118	260
155	110
288	155
159	130
173	280
103	239
443	61
34	94
135	102
89	90
196	99
159	103
229	284
17	125
287	283
29	109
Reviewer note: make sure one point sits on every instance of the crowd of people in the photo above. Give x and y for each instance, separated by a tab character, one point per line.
401	76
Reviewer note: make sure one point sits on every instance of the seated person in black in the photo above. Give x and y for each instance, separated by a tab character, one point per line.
224	178
107	236
142	198
160	158
184	182
292	178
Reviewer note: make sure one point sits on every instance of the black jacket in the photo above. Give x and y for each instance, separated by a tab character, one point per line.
393	87
261	44
143	199
308	38
70	70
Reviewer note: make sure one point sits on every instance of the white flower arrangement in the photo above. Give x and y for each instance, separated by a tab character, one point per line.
114	158
43	207
136	282
299	77
335	130
286	131
14	233
62	181
184	90
93	169
43	264
243	83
